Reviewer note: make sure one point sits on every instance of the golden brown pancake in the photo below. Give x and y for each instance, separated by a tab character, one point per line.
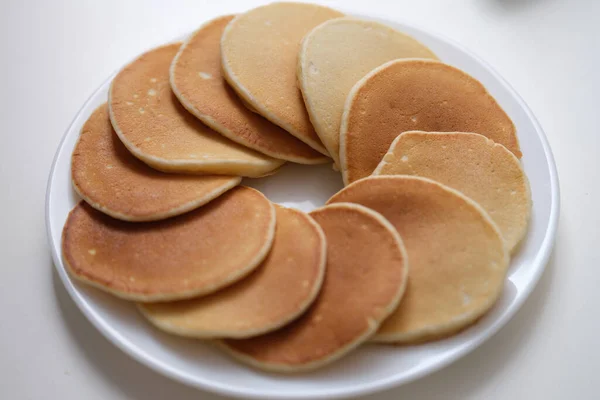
334	56
468	162
458	259
113	181
364	281
259	51
406	95
197	82
277	292
178	258
157	129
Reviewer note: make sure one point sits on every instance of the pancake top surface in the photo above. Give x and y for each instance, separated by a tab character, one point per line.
334	56
364	280
177	258
285	284
110	179
458	260
259	54
197	81
156	128
468	162
405	95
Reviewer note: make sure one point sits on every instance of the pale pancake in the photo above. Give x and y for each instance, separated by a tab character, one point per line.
111	180
178	258
458	260
281	289
334	56
365	279
259	51
468	162
406	95
197	81
158	130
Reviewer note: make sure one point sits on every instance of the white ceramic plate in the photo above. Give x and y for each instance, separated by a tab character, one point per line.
372	367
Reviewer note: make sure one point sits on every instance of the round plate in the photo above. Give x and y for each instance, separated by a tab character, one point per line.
370	368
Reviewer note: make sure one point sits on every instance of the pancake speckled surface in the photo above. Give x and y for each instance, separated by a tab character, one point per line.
364	281
406	95
197	81
158	130
113	181
472	164
278	291
259	51
178	258
334	56
458	259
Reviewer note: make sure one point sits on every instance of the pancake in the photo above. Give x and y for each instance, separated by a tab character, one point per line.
458	260
406	95
365	278
281	289
113	181
468	162
157	129
197	82
259	51
334	56
181	257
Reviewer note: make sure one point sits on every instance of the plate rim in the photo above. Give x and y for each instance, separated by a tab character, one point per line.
541	260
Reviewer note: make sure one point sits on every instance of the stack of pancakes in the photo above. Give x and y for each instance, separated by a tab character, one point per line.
415	248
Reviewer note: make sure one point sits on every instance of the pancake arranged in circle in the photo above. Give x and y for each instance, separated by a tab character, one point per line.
406	95
198	83
181	257
458	259
259	51
158	130
472	164
334	56
365	278
277	292
110	179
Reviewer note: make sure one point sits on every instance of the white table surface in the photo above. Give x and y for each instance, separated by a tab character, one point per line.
54	54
